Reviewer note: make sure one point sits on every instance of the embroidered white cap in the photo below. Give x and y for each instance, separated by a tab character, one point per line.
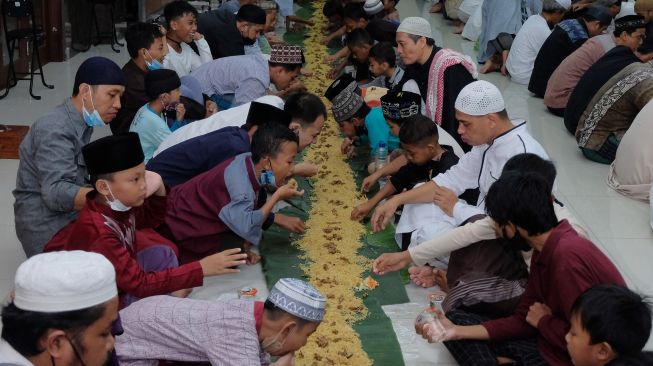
64	281
416	26
564	3
480	98
373	7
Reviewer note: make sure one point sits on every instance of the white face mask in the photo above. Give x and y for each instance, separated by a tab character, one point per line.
272	344
115	203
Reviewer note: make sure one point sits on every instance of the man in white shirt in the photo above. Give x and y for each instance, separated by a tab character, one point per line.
484	124
62	311
233	117
530	38
181	19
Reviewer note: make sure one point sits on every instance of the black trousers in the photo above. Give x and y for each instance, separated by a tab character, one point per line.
481	353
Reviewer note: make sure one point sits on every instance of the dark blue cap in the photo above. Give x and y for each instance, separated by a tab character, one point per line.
99	71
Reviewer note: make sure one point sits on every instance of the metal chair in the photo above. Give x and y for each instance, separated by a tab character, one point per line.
22	9
114	34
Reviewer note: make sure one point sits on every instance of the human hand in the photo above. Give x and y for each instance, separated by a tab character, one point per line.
197	36
154	184
181	111
368	182
347	147
442	332
305	72
292	224
333	73
295	85
390	262
330	59
287	191
382	215
211	108
252	258
305	169
445	199
536	312
221	263
359	212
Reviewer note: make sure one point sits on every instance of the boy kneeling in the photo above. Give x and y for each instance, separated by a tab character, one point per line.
231	332
126	199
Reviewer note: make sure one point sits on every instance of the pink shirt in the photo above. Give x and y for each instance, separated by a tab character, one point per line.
188	330
566	76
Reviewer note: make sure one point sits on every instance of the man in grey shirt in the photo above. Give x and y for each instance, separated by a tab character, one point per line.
52	183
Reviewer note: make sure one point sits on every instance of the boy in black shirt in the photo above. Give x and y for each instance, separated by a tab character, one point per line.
426	159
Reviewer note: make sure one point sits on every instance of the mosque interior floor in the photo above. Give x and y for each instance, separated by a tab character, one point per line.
618	225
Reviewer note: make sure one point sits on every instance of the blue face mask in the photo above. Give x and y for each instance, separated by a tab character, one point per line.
94	119
267	178
154	65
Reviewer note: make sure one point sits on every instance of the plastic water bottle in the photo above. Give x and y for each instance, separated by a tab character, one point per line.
381	160
427	321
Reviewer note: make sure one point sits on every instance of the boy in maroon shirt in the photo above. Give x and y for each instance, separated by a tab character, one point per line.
563	266
128	198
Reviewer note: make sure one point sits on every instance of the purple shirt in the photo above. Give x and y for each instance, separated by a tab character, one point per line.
188	330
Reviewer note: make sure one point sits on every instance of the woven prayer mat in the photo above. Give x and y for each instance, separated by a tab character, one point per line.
10	138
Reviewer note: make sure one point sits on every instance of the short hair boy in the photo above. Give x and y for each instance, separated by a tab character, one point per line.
383	65
146	44
181	22
359	43
608	322
226	205
425	156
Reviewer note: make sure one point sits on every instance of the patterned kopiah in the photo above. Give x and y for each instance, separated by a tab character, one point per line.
345	105
286	54
298	298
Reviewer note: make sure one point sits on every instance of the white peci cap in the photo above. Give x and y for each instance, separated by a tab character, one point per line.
64	281
416	26
480	98
373	7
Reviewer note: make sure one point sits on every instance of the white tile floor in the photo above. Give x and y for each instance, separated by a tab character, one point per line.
618	225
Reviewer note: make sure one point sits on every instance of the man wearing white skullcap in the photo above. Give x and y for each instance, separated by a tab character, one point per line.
227	332
62	312
437	74
484	124
530	38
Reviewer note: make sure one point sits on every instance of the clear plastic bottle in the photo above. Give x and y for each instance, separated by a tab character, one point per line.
381	160
427	322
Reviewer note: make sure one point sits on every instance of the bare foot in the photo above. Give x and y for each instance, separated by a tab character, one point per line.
422	276
504	71
436	8
458	29
441	279
488	67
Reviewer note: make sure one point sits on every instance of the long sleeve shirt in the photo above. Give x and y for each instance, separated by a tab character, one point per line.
188	159
475	232
483	165
247	77
221	200
50	173
132	99
573	264
224	333
187	60
101	230
566	76
151	129
232	117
